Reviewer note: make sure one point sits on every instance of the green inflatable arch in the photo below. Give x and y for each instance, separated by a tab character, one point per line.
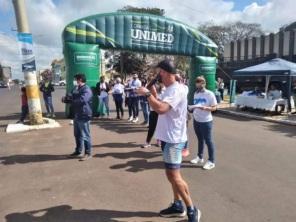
83	38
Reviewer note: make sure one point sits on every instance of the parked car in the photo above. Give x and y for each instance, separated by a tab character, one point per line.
3	85
62	83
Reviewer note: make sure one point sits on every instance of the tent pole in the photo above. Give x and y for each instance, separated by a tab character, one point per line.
267	80
289	92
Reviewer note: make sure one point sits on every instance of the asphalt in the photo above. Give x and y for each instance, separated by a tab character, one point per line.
254	180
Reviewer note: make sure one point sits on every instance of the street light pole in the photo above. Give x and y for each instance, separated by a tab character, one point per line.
32	89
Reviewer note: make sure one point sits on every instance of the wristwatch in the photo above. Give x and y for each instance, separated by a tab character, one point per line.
148	94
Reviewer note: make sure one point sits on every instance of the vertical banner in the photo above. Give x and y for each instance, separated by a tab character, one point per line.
26	50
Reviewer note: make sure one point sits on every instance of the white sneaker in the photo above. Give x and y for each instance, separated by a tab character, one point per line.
146	145
130	119
209	165
135	120
197	160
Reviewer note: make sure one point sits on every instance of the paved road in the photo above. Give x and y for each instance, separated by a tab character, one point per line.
254	181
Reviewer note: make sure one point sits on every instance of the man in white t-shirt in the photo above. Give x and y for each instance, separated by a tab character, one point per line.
204	103
171	130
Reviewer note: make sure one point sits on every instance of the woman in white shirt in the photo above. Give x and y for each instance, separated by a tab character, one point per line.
117	93
204	104
103	89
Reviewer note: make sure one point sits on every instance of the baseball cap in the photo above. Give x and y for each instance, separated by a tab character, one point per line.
167	65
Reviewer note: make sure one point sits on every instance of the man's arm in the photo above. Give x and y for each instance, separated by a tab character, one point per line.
84	97
158	106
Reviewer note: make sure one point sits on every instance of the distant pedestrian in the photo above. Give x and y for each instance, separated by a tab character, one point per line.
156	91
171	130
134	84
204	104
294	94
103	89
221	86
25	107
144	103
117	92
47	89
82	108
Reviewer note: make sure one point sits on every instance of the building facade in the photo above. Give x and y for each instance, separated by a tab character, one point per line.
246	52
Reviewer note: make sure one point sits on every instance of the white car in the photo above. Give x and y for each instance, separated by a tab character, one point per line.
62	83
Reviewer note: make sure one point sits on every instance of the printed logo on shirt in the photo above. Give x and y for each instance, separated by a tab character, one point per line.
200	101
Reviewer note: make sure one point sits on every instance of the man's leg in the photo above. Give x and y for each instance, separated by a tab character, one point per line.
117	105
172	156
180	187
133	105
50	104
152	126
129	105
121	107
45	98
208	139
106	102
199	135
136	106
77	135
86	137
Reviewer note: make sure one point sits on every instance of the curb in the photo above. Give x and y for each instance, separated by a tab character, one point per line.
19	127
268	119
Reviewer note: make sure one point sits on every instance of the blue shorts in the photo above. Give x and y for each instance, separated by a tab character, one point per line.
172	154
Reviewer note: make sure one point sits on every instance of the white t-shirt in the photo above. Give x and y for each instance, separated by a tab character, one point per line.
118	88
171	126
206	98
103	87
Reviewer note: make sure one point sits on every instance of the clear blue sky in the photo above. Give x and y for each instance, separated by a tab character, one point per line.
241	4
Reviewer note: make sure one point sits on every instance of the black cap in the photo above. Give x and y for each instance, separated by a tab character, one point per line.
167	65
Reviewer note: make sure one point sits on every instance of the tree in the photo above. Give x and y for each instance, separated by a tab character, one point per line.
153	11
223	34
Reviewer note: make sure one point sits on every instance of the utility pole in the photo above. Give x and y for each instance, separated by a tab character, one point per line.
32	89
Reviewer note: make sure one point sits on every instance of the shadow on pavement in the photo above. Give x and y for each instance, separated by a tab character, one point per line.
134	154
120	127
12	116
118	145
289	131
22	159
235	118
135	166
65	213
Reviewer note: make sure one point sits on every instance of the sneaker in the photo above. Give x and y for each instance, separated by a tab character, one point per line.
135	120
48	115
185	152
146	145
158	143
197	160
174	210
53	115
130	119
86	157
209	165
75	155
193	215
